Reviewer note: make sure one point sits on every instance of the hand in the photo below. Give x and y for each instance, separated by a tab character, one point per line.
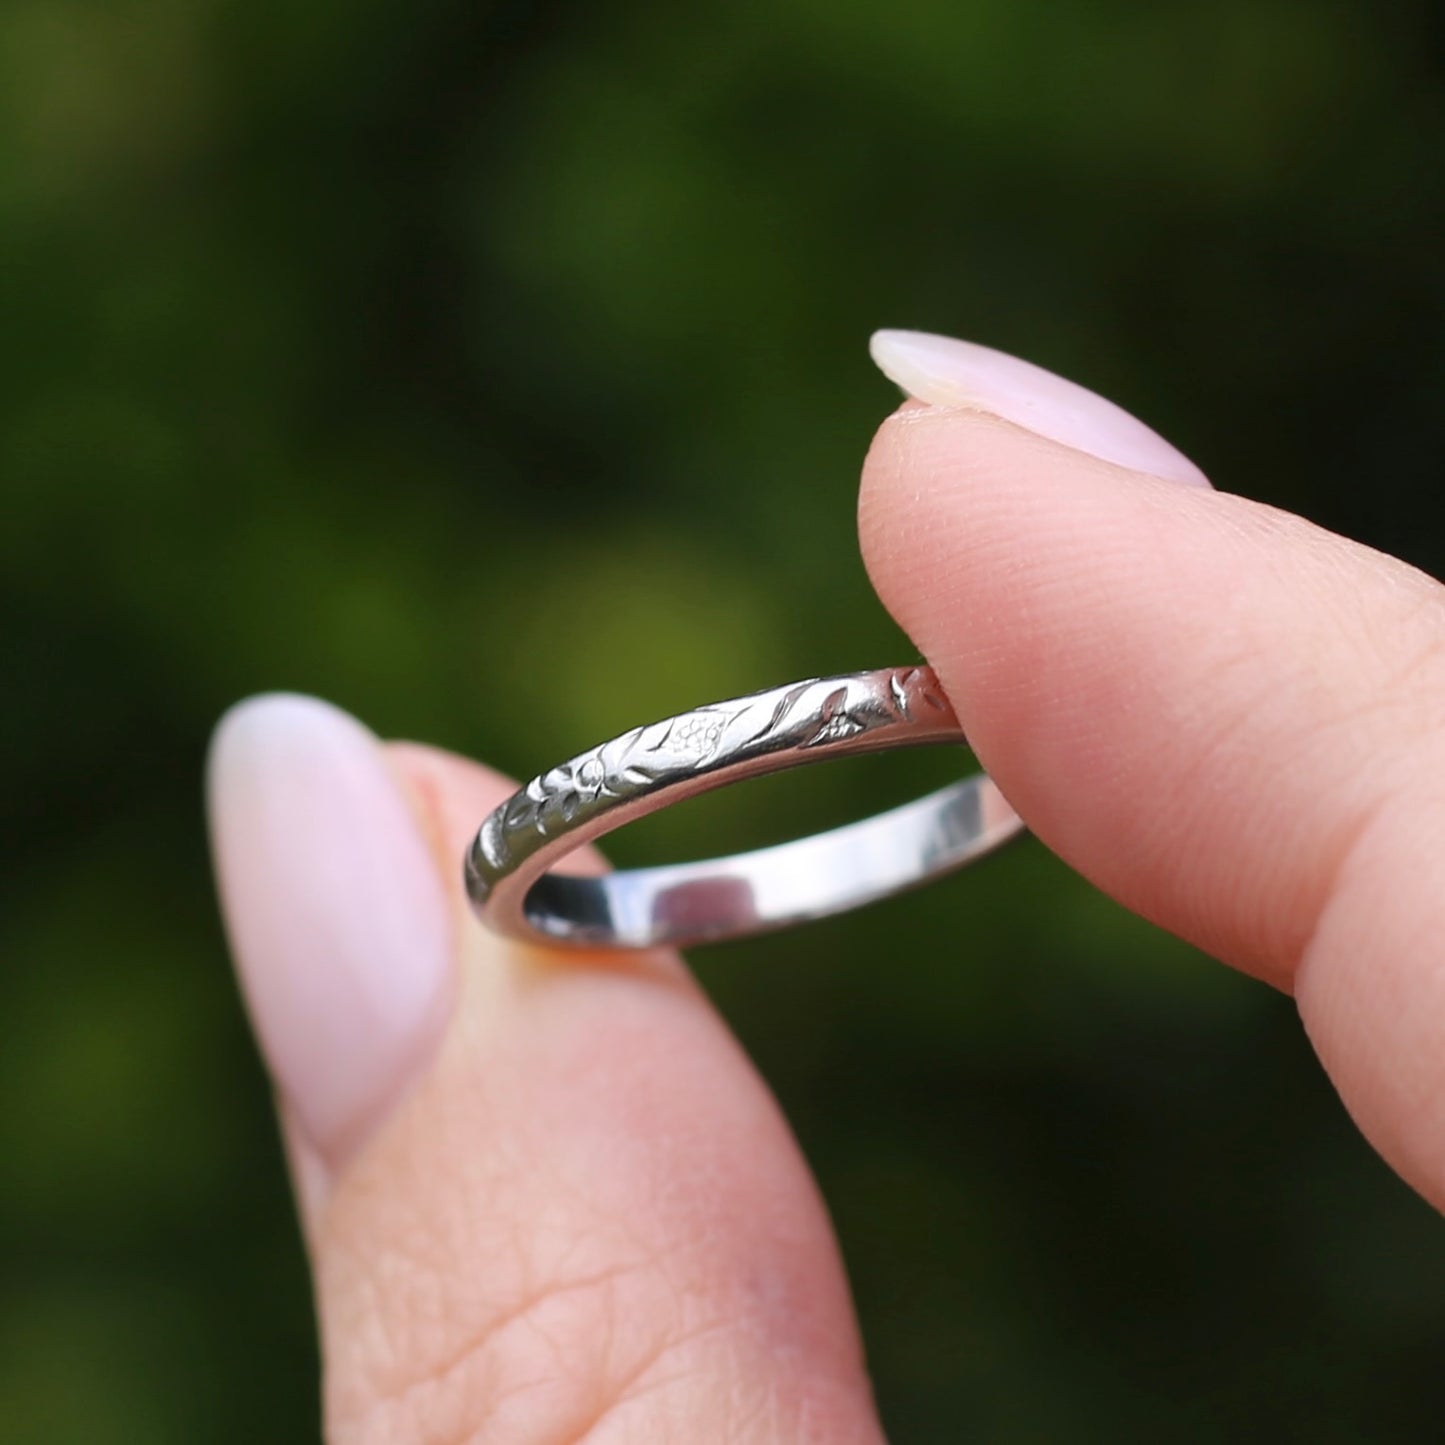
549	1201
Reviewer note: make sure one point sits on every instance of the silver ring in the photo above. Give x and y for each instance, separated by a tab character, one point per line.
508	865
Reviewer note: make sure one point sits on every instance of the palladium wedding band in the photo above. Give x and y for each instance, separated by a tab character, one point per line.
508	866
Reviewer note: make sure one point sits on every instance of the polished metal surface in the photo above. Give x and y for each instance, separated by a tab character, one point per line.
508	866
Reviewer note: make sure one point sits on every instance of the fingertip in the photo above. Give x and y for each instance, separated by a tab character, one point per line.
1147	670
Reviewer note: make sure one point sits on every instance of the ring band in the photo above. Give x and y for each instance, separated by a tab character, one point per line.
508	865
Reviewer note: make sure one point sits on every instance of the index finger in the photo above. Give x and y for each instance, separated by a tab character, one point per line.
1223	715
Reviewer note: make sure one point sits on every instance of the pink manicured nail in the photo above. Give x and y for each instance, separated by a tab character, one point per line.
944	372
336	915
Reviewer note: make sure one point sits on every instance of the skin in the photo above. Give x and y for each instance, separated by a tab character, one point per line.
587	1220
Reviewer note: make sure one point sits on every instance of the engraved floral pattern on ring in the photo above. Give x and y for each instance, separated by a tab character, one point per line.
698	733
637	771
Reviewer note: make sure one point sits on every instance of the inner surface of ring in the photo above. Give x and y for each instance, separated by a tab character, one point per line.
784	884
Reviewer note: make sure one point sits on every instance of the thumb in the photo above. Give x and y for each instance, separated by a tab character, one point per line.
544	1200
1226	717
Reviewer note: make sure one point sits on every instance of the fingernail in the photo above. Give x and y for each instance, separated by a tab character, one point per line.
336	916
942	371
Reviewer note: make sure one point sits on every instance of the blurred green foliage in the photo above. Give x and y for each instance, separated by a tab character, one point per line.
498	371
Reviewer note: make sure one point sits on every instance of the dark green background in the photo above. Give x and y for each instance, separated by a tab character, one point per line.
499	372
